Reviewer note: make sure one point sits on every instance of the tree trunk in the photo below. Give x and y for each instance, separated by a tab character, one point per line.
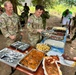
14	2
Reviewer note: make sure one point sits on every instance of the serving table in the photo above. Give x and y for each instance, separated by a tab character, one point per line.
39	70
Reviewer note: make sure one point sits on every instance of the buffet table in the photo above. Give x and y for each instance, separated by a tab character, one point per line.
56	50
40	70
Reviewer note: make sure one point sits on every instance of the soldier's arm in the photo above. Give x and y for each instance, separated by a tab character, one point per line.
4	29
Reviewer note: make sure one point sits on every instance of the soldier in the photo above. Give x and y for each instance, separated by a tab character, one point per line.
35	26
26	12
9	23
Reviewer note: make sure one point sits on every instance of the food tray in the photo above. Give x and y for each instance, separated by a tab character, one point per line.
63	31
58	33
32	60
47	33
50	66
60	28
56	37
10	57
54	34
58	44
20	45
42	47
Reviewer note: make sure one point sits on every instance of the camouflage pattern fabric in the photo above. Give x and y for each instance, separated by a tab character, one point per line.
9	25
33	24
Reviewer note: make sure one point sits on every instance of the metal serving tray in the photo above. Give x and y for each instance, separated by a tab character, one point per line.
46	33
31	60
20	45
56	37
10	57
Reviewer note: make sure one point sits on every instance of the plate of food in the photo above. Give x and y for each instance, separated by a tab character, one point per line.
50	66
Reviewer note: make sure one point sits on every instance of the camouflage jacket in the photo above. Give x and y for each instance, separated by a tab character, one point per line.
34	23
9	25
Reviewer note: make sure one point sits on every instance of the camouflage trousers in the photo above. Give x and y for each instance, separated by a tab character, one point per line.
34	39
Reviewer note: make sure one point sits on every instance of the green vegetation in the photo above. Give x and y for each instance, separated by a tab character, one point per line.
56	6
58	9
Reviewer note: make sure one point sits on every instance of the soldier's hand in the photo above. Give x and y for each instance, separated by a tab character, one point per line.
12	37
39	30
74	58
22	34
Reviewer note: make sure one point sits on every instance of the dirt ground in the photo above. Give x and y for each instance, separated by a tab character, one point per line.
70	50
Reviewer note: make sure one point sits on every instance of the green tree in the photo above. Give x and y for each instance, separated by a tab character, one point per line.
51	3
14	2
45	16
45	3
68	2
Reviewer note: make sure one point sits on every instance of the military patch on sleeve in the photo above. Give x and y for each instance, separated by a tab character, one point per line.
28	23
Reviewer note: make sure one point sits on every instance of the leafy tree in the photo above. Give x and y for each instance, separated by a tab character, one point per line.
45	16
68	2
14	2
51	3
45	3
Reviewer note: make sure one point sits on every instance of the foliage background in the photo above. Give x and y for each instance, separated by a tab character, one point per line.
53	6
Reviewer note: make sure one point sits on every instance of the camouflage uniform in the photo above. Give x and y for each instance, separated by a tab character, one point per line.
9	25
33	24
